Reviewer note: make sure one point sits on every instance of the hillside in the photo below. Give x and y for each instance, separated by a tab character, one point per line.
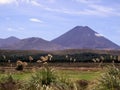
83	37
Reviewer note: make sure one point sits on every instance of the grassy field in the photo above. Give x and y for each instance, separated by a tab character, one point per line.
82	78
77	75
69	73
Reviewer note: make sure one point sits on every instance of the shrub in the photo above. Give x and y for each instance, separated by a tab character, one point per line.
110	80
20	65
42	79
47	79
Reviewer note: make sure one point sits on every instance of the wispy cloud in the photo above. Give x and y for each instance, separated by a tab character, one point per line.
17	2
35	3
106	11
95	10
102	8
2	2
95	7
90	7
35	20
15	29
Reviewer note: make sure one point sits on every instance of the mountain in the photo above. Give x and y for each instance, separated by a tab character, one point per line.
83	37
8	41
80	37
33	43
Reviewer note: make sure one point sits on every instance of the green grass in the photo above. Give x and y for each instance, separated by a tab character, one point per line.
76	75
23	76
69	74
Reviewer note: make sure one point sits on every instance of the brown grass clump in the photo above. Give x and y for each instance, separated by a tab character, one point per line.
21	65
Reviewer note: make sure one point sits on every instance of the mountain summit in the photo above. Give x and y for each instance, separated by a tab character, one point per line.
83	37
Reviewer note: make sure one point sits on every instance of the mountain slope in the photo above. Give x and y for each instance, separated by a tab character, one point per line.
84	37
33	44
8	41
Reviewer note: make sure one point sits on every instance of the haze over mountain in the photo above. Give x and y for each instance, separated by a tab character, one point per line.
83	37
80	37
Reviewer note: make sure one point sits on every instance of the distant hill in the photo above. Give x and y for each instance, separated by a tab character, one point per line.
84	38
8	41
32	44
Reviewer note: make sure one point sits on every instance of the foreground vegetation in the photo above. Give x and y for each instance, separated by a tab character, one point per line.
73	74
49	78
67	71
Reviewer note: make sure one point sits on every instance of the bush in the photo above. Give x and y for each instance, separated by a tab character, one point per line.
20	65
48	76
47	79
42	79
110	80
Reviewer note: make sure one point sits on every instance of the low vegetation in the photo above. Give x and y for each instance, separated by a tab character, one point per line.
110	80
60	56
48	78
80	71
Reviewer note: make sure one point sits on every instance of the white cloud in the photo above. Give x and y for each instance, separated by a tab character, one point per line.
102	9
15	29
7	1
95	7
106	11
17	2
35	3
35	20
91	9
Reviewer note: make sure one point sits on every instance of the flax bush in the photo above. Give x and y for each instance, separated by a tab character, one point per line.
48	79
110	80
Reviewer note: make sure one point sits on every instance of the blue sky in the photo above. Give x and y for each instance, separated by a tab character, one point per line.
49	19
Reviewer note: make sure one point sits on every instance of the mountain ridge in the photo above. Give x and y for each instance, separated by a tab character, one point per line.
33	43
79	37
